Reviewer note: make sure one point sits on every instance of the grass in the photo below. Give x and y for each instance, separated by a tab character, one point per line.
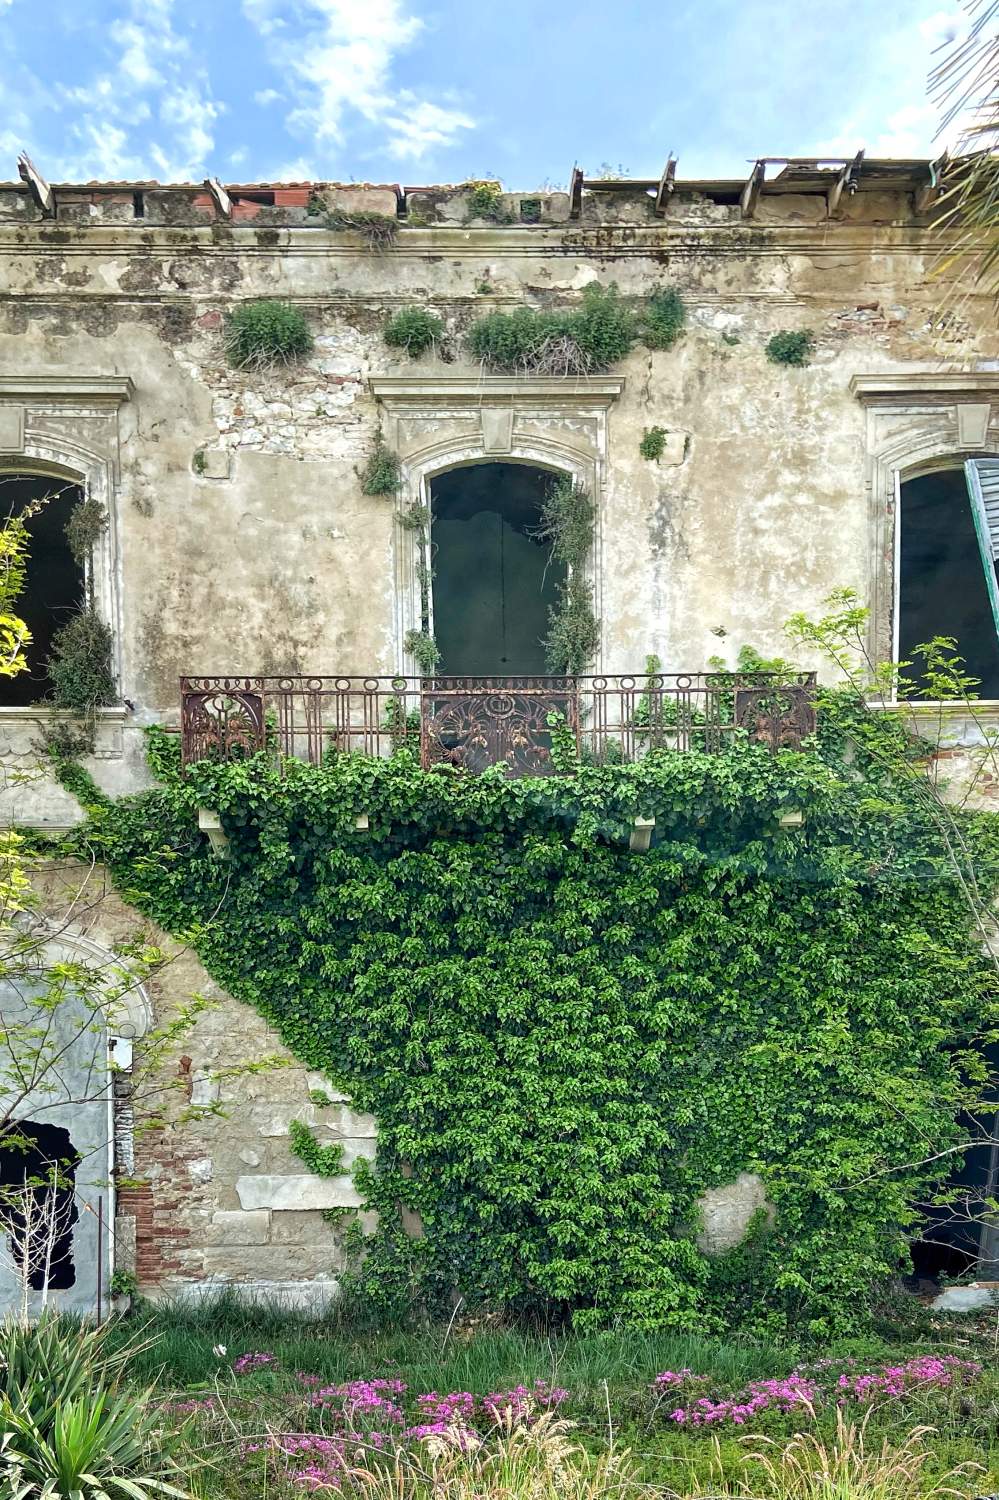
611	1408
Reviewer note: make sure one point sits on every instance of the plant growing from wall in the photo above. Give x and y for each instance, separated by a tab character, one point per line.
568	517
262	334
381	474
653	443
414	329
663	319
530	210
379	230
791	347
574	341
484	200
85	525
420	643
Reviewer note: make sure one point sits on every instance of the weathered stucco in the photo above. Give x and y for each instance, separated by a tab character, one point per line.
240	542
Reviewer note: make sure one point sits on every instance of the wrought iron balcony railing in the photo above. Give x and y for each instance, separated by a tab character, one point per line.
475	722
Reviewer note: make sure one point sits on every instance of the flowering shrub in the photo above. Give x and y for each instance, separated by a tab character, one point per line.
809	1386
250	1364
360	1417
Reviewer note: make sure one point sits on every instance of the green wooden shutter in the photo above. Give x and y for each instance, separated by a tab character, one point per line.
982	475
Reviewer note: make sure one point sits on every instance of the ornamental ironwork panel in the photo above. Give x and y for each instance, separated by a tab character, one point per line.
221	718
476	722
778	715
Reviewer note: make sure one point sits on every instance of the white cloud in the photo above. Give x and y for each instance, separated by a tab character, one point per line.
266	96
152	75
344	52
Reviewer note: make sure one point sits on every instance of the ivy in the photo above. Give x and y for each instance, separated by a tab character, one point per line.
566	1043
325	1161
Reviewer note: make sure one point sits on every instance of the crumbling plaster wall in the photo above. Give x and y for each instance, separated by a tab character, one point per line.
262	555
217	1195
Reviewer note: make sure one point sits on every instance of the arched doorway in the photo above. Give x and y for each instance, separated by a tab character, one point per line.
494	580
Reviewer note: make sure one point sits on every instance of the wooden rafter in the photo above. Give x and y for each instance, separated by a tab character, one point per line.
929	191
751	192
846	182
37	185
576	193
667	182
221	198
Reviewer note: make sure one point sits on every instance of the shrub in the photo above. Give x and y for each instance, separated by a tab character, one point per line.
573	629
413	329
791	347
653	443
80	664
379	230
664	318
570	341
423	649
265	333
381	472
485	201
84	527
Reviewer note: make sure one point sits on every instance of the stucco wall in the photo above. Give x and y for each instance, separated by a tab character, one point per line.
271	560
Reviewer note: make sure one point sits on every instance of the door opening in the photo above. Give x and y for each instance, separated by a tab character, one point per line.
494	580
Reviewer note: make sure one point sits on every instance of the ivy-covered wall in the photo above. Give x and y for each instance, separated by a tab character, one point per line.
565	1043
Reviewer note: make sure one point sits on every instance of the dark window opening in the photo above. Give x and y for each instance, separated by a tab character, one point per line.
54	582
37	1202
942	587
255	196
956	1239
138	205
494	580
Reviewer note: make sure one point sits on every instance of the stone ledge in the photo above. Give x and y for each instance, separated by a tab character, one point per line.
299	1191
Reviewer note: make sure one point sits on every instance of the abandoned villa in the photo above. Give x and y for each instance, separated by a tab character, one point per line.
339	550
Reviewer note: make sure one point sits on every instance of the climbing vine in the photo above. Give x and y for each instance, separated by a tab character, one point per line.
381	474
567	521
566	1043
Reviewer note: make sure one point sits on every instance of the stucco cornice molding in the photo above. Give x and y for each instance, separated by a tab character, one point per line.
922	387
399	392
101	390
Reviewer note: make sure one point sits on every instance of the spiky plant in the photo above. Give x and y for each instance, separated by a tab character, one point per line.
965	85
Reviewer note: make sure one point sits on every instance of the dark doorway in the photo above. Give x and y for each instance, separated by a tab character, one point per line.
37	1202
494	581
942	587
54	583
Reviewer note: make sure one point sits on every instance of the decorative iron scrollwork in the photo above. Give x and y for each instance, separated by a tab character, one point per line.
222	724
781	716
474	724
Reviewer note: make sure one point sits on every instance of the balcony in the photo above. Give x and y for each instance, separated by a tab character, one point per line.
475	722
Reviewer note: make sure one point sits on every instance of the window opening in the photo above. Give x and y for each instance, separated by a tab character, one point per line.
54	586
947	579
37	1202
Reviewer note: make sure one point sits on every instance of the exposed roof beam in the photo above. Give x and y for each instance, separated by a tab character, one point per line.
667	182
576	193
847	181
929	191
37	186
752	190
222	200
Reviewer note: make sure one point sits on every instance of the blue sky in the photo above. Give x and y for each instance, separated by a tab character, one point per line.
442	90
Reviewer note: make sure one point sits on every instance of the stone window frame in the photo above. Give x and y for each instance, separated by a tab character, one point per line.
66	427
445	422
915	422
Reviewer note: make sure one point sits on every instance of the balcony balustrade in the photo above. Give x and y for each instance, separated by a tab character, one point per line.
475	722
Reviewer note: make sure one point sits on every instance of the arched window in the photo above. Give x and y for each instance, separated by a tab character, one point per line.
946	570
38	1208
54	588
494	580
